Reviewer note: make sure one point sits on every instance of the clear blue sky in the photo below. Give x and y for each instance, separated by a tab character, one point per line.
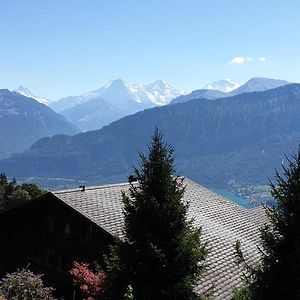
60	48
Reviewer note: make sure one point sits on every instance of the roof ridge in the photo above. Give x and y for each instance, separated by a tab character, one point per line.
96	187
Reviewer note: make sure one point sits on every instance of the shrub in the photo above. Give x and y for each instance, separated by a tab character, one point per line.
91	284
24	284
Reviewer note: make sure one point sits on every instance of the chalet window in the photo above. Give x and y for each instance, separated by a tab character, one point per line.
87	231
64	262
50	224
41	254
67	228
53	259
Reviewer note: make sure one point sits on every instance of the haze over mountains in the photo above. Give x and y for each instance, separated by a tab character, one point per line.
217	89
24	120
95	109
238	139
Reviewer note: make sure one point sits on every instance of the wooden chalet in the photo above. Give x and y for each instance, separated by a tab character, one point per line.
52	231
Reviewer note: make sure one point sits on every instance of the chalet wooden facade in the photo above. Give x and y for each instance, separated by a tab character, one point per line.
78	225
48	236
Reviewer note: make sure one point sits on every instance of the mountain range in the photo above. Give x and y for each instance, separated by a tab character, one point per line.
23	120
235	140
217	89
95	109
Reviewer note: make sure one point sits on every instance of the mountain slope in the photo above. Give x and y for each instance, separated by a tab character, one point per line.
23	121
27	93
259	84
238	139
199	94
98	112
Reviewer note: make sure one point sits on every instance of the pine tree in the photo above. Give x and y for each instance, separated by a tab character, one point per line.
161	256
278	275
3	179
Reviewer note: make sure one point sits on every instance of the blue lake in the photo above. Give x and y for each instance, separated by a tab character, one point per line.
232	197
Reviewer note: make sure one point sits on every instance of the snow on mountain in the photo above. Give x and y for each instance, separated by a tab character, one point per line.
259	84
221	89
116	99
120	92
161	93
223	85
27	93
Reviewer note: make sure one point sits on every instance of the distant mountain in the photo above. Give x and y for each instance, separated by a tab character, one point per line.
156	93
259	84
115	100
23	121
160	92
27	93
223	85
216	89
199	94
235	140
96	113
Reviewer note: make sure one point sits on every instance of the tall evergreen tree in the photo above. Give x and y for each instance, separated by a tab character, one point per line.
278	275
161	256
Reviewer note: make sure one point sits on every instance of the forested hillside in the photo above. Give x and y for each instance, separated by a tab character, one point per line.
233	140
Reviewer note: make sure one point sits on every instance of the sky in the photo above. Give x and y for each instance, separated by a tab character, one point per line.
60	48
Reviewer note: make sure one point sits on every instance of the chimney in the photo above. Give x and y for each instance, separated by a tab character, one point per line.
131	178
82	187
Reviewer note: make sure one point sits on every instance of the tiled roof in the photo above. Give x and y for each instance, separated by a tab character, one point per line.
222	221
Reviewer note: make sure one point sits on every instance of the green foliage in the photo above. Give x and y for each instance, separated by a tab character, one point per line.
3	179
18	196
129	293
12	194
244	293
278	276
32	189
161	256
23	285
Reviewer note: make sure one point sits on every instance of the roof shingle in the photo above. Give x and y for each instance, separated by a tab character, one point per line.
222	221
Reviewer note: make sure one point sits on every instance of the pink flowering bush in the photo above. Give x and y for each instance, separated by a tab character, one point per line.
91	284
24	284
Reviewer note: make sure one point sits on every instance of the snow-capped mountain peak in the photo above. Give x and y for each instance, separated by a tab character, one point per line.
223	85
122	93
27	93
161	92
157	93
158	85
